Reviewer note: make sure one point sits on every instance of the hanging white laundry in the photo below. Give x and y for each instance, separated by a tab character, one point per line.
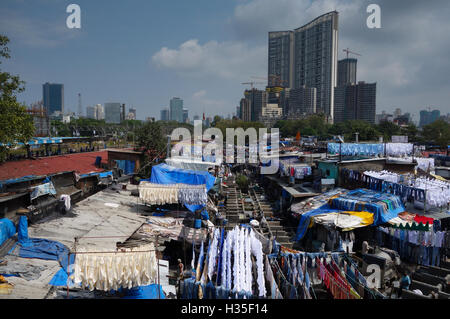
111	271
66	199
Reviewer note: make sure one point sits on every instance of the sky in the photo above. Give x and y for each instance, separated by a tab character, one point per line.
144	52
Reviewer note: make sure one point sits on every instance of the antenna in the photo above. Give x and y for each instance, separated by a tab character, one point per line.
80	110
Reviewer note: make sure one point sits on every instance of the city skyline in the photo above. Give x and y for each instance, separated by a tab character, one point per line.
206	63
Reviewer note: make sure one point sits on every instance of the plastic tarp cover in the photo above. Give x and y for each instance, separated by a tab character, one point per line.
306	218
145	292
7	230
43	249
165	174
126	166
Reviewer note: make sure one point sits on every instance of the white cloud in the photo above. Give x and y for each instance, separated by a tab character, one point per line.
229	60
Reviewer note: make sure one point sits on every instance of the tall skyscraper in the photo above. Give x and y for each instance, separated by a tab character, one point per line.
165	115
185	115
347	71
302	101
312	54
245	110
428	117
53	97
113	113
258	100
355	102
176	109
281	58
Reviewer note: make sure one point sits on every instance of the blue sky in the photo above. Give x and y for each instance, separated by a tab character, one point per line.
142	53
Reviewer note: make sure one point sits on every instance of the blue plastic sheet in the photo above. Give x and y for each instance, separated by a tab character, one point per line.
126	166
43	249
306	218
145	292
7	229
165	174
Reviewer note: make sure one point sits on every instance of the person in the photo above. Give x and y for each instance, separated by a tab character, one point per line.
180	269
405	282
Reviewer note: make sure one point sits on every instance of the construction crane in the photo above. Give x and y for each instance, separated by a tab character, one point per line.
252	83
348	52
277	77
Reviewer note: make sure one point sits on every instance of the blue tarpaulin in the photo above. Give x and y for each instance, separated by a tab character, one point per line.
126	166
165	174
145	292
306	218
7	229
43	249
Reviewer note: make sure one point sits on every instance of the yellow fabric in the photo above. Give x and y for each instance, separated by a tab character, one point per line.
367	218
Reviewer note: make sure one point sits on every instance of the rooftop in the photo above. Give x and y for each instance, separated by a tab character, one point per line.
82	163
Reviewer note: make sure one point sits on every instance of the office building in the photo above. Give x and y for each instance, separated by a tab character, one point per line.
165	115
100	112
185	116
245	110
347	71
428	117
307	57
91	112
302	102
281	58
113	113
53	97
355	102
258	100
176	109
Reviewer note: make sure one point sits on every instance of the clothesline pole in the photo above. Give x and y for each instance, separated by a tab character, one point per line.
157	259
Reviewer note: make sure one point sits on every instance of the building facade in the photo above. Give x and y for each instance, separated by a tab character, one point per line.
165	115
113	113
302	102
428	117
176	109
347	71
185	116
258	100
355	102
91	112
53	97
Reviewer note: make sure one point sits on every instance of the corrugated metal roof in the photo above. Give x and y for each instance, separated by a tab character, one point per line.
82	163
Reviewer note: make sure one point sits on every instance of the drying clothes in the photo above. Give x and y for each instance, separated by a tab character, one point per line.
297	170
384	175
193	195
158	194
111	271
353	149
66	199
399	149
161	194
423	219
437	192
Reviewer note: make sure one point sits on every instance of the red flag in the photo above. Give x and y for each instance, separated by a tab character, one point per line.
298	136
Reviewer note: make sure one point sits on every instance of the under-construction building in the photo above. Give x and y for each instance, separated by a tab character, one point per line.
41	119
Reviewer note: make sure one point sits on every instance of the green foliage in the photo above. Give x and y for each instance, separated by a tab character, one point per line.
437	132
16	125
242	182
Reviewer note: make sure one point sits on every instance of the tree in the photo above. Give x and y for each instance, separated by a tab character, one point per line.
16	125
437	132
150	140
388	129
